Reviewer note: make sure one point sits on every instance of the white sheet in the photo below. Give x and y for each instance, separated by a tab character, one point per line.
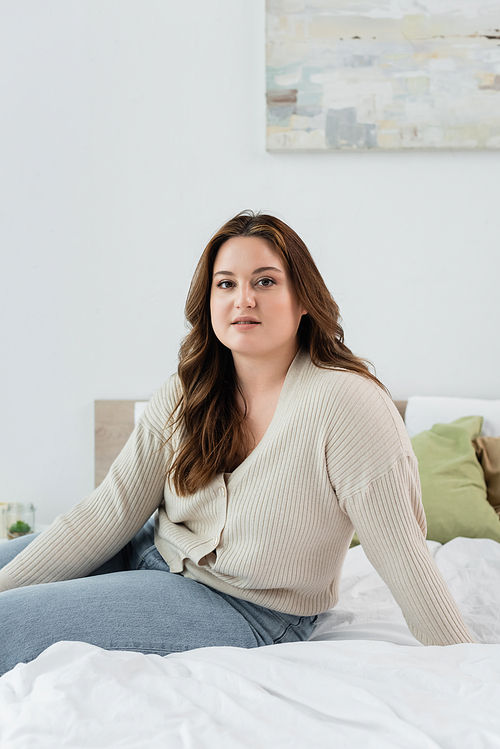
333	691
367	610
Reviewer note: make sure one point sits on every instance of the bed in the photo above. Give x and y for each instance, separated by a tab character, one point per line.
362	680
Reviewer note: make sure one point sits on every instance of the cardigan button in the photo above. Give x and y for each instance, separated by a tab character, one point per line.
222	491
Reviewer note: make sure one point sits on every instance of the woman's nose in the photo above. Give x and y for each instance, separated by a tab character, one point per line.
245	296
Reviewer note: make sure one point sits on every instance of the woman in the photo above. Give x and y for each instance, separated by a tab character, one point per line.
271	445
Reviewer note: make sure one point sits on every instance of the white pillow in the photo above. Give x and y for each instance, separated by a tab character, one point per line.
139	408
423	412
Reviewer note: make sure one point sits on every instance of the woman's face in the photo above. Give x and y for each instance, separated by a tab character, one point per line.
253	305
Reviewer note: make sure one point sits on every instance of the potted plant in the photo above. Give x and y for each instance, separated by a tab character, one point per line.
20	520
20	528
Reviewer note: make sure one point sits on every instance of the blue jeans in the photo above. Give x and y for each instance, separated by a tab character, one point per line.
133	602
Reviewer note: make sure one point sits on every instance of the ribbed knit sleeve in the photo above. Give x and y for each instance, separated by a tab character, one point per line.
94	530
376	479
390	523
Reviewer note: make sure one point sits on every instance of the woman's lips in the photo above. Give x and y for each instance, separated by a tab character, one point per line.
245	321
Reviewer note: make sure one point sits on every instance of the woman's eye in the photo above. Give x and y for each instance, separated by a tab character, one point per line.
224	284
266	282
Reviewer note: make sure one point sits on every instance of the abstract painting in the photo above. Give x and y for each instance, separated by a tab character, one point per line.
383	75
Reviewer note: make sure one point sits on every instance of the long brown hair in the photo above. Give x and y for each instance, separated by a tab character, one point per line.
211	423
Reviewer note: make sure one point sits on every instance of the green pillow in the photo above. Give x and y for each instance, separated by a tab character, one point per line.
453	486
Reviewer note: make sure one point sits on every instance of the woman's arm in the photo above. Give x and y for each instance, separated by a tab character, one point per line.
374	473
99	526
390	524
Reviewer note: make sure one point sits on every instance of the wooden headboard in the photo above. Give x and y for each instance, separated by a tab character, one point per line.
114	422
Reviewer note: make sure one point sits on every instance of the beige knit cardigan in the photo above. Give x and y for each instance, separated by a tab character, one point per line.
335	458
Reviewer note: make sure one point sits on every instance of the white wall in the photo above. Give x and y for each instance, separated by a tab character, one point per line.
130	130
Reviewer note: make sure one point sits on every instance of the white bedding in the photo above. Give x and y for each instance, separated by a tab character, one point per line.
361	681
